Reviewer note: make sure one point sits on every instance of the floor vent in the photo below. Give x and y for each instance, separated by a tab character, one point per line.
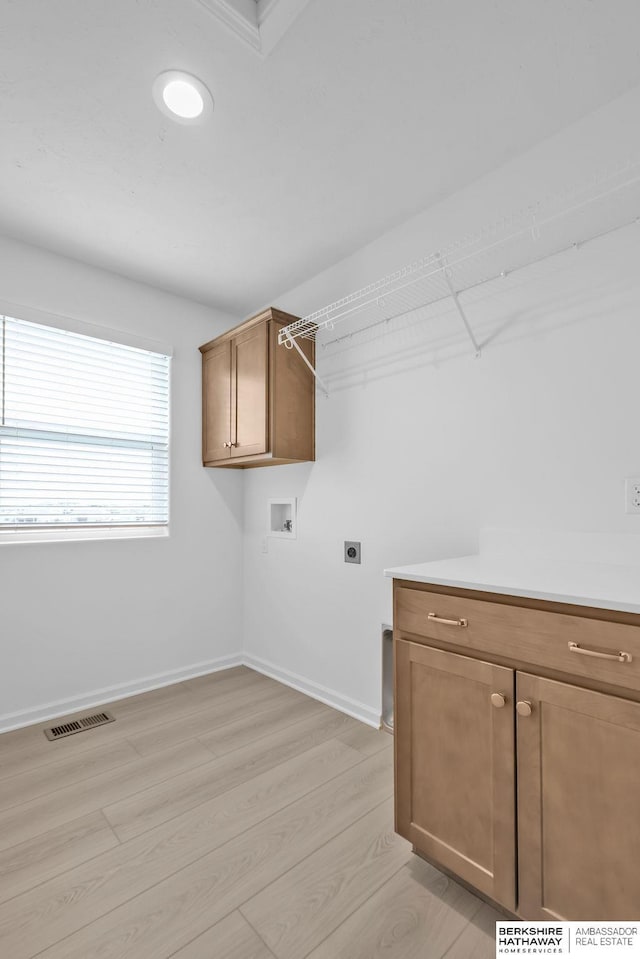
78	725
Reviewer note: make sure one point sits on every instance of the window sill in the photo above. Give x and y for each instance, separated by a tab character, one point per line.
69	534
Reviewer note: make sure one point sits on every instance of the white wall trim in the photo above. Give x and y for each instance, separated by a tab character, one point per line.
261	25
68	534
31	314
237	20
322	693
99	697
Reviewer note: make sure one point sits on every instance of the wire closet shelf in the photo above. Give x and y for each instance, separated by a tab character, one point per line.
604	203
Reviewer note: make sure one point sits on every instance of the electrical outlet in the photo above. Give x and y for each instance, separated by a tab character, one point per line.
632	494
351	551
264	544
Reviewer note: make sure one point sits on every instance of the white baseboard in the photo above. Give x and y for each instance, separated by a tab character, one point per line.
99	697
325	695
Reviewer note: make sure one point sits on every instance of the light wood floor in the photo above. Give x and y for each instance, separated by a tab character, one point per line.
227	817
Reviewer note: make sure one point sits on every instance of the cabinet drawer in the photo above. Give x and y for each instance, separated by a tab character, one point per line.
532	636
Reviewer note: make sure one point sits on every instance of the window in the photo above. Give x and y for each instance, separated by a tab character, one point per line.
84	432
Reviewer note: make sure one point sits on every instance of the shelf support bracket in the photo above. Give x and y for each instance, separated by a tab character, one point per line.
463	315
290	343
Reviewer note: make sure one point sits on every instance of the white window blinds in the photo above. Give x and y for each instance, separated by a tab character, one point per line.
84	430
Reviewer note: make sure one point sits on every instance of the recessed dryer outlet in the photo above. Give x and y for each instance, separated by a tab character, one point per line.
282	518
352	551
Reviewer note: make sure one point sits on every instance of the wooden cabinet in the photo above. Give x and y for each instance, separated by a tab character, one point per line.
445	723
520	777
578	803
250	392
258	398
216	402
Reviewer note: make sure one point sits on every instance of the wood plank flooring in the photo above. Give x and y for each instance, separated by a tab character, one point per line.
226	817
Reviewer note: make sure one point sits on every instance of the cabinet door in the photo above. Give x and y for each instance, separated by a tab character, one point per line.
292	398
455	786
249	359
216	403
578	803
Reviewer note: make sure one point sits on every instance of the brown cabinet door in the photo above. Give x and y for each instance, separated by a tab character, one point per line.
292	396
455	785
216	403
249	368
578	803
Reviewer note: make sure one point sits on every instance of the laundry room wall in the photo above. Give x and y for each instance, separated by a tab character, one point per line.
421	445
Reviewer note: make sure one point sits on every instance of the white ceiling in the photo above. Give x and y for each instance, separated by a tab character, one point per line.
366	112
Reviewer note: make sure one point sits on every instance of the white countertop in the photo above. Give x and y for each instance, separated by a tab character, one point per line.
602	585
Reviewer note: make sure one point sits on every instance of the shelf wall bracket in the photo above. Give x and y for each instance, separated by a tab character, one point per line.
463	315
290	343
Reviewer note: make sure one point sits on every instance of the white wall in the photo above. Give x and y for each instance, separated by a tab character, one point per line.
421	445
79	618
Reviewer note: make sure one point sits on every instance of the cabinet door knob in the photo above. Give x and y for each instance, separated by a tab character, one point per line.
523	708
498	700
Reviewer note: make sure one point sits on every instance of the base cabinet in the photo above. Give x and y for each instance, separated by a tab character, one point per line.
525	787
455	771
578	803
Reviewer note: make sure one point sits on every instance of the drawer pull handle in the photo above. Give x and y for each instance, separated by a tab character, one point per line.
498	700
618	657
434	618
524	708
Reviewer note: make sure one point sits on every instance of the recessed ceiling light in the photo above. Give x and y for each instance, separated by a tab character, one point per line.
182	96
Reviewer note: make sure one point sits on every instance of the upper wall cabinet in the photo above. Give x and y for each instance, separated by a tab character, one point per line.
258	398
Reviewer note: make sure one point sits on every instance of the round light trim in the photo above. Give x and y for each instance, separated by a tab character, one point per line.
182	97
